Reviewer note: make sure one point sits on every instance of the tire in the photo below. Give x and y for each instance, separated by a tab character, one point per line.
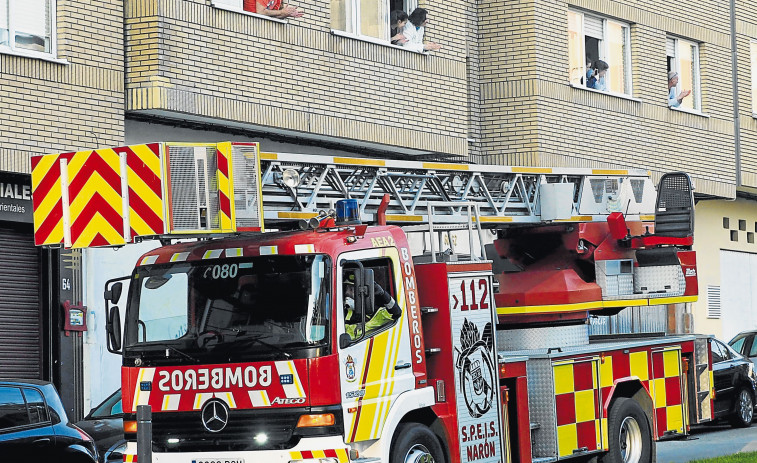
630	438
743	409
415	443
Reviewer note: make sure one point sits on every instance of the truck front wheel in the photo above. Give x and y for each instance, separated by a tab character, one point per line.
630	439
415	443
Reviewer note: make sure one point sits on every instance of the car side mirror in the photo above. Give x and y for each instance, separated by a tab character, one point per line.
113	328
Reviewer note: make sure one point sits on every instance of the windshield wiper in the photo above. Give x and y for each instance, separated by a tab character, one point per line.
251	339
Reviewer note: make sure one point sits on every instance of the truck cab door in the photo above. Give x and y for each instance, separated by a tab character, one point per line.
377	367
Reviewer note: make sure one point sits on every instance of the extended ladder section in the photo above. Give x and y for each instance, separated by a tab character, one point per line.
296	185
113	196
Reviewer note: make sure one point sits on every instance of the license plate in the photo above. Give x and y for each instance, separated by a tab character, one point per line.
219	460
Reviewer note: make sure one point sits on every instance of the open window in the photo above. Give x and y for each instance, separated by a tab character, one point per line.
367	18
683	58
28	27
592	38
377	319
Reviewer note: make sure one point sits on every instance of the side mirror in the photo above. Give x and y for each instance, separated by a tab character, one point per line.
344	340
113	328
114	293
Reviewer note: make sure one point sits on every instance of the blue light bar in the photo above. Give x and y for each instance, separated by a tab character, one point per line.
347	212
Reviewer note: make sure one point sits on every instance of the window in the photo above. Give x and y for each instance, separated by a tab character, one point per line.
27	26
753	59
683	58
12	408
379	318
593	38
738	345
719	352
369	18
36	405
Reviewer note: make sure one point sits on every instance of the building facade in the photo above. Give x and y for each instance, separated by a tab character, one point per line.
509	86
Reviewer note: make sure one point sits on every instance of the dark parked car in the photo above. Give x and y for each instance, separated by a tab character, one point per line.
34	426
735	385
105	424
744	344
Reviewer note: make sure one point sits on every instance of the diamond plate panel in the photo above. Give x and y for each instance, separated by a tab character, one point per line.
542	338
659	281
541	405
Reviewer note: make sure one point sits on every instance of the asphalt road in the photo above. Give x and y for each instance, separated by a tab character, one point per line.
708	441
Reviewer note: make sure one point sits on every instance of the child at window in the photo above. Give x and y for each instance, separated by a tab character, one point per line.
397	21
275	9
597	78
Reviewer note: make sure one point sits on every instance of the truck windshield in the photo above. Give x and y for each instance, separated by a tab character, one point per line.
273	305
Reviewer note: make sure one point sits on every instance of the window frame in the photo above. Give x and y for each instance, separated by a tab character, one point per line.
697	78
352	22
390	286
603	50
11	49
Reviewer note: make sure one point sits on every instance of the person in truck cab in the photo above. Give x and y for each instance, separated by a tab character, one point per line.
386	309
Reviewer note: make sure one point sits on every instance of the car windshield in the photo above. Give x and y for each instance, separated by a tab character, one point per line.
252	305
111	407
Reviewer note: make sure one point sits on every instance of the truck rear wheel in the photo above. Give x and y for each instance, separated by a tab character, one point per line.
630	439
415	443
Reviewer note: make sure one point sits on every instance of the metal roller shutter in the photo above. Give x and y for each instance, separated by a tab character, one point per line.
20	320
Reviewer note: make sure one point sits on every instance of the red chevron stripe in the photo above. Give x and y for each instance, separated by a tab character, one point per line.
47	226
141	169
96	205
94	163
224	204
307	454
330	453
223	163
99	240
44	187
35	160
154	221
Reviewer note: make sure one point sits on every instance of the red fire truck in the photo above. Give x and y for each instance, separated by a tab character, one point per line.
322	309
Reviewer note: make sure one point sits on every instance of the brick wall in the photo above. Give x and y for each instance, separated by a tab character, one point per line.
185	56
74	103
531	115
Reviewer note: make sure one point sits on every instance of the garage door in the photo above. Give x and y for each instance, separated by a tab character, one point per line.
20	318
738	292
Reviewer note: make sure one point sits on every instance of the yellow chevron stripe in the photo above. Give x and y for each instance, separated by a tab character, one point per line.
149	158
139	225
318	454
295	455
342	455
145	193
95	184
43	167
99	225
56	235
45	207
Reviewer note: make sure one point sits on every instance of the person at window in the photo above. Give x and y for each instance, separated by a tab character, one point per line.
589	70
597	78
275	9
674	98
397	21
414	30
385	309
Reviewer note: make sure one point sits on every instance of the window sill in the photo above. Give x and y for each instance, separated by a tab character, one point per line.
616	95
221	6
32	55
383	43
690	111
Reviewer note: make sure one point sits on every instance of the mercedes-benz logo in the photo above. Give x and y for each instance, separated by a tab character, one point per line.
215	415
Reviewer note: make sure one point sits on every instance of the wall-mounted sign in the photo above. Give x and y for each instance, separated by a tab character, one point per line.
16	197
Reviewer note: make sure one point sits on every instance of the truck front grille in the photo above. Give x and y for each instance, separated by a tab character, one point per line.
184	432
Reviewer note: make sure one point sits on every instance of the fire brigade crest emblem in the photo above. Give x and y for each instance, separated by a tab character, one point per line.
476	368
349	369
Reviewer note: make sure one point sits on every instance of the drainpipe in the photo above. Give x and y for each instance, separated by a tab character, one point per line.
735	84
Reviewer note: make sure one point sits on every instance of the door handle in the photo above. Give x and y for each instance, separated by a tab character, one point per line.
41	442
402	366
